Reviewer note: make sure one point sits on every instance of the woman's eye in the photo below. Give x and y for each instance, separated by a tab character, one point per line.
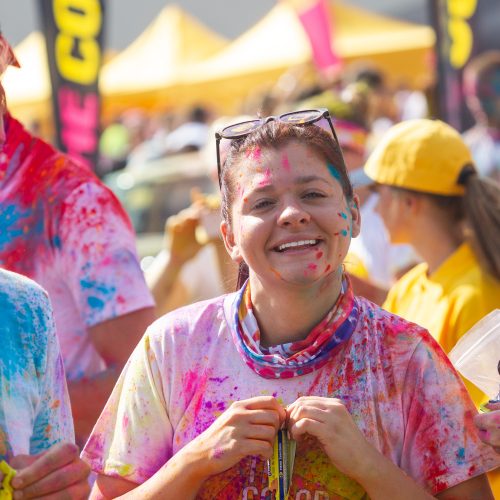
314	194
262	204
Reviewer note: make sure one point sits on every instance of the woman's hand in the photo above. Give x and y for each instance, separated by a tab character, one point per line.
55	473
488	425
247	427
328	420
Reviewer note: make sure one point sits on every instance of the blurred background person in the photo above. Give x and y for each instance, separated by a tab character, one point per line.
63	228
431	196
36	427
482	91
194	264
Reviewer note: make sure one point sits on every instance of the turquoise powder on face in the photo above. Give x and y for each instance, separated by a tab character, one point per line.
333	171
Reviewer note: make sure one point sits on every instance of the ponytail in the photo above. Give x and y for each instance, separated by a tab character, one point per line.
481	206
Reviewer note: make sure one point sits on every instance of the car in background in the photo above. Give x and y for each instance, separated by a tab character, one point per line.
152	191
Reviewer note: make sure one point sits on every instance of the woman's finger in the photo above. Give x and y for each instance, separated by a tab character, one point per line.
57	457
57	481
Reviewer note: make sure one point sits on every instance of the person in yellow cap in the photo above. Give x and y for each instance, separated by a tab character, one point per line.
432	198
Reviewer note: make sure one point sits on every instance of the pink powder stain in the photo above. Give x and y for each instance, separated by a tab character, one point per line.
285	162
254	153
328	267
125	422
267	178
218	453
319	255
312	266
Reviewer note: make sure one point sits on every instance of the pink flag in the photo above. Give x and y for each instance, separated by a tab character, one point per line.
315	18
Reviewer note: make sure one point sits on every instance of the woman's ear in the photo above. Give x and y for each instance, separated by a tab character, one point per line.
355	216
230	243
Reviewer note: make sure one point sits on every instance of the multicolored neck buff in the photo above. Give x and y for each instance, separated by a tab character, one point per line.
295	358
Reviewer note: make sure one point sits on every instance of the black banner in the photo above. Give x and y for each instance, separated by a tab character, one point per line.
464	29
74	34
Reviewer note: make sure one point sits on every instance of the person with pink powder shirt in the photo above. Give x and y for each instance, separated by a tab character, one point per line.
372	401
63	228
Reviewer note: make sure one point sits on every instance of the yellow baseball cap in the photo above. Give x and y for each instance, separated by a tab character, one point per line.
421	155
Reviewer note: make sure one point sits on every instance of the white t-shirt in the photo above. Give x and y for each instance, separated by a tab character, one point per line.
396	382
35	412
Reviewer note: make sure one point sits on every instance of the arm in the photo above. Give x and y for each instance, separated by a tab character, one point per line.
180	235
114	340
247	428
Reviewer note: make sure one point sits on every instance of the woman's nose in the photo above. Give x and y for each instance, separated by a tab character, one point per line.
293	214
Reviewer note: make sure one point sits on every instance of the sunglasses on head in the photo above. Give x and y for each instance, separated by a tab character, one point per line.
319	117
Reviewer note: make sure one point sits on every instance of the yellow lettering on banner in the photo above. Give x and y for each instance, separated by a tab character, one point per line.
82	71
80	18
462	8
459	31
79	22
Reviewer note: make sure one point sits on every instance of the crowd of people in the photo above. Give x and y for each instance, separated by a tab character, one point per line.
353	242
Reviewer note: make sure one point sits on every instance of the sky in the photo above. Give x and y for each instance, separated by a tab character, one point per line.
128	18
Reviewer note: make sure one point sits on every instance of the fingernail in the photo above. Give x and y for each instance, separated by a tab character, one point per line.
16	482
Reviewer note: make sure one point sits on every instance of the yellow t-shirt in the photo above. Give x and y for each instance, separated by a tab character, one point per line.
448	302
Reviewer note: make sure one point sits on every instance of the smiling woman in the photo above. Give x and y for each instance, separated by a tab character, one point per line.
375	407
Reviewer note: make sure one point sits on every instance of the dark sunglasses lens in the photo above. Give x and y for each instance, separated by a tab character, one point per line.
299	117
240	129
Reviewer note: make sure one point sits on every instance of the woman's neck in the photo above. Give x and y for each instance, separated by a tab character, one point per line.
436	243
287	313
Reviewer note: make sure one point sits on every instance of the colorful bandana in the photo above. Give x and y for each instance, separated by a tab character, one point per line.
295	358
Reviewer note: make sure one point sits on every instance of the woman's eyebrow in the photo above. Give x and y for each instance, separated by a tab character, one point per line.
310	178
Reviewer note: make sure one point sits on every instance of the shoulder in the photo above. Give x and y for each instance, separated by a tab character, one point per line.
414	275
18	291
191	325
91	202
389	327
27	319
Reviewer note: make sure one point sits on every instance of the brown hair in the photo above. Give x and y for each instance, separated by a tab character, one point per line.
274	135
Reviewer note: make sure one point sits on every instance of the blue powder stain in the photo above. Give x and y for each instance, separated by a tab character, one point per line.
95	303
343	232
333	171
56	241
461	456
11	222
343	215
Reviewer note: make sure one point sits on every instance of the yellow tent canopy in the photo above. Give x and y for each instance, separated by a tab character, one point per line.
256	59
177	61
154	60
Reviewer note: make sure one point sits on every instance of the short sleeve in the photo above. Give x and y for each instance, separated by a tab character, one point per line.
99	257
133	436
53	420
441	446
